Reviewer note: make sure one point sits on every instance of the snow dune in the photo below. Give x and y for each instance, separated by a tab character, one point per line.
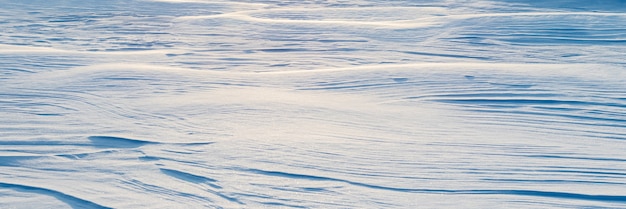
312	104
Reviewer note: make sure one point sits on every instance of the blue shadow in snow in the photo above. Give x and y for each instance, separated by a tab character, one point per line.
117	142
72	201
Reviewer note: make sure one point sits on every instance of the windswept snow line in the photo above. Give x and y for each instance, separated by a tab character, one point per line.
148	68
382	24
546	194
536	193
397	24
14	49
248	16
212	2
467	16
72	201
517	67
603	71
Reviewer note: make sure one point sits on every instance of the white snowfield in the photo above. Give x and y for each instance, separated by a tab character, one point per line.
312	104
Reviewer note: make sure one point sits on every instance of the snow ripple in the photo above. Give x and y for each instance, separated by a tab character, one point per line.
311	104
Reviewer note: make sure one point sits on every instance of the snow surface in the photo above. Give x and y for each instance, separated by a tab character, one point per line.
312	104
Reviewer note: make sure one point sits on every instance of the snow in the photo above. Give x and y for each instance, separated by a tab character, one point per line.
312	104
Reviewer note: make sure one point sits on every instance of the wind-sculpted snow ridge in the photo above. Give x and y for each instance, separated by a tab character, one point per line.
312	104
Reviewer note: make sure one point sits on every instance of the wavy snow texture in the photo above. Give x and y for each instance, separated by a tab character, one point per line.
312	104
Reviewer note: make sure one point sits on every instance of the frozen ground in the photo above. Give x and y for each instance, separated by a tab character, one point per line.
312	104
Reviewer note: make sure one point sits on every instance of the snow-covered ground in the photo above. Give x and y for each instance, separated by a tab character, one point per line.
312	104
